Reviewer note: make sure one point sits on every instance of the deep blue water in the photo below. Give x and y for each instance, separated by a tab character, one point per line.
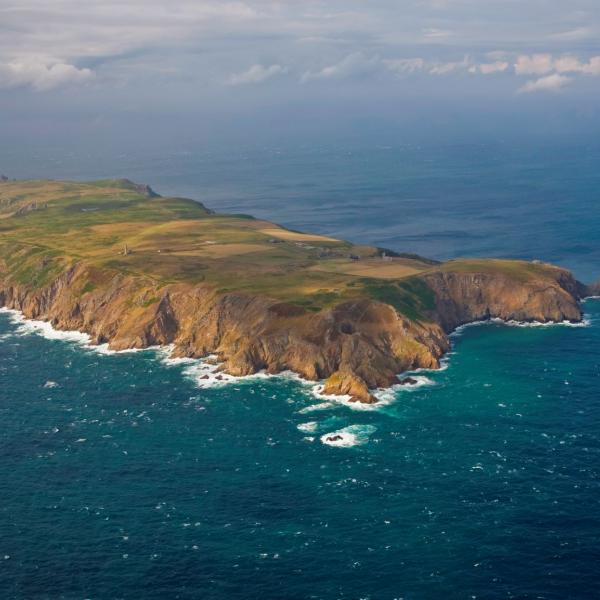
122	478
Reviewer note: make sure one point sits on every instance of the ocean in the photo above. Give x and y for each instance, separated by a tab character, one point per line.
123	477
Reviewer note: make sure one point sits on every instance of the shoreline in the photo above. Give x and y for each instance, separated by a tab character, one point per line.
206	375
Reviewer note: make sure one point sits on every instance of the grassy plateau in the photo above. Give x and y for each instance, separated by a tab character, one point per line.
115	225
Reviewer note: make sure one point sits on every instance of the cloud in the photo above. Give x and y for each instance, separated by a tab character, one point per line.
580	33
434	33
40	76
404	65
550	83
48	43
449	67
257	74
497	55
356	64
411	65
538	64
495	67
571	64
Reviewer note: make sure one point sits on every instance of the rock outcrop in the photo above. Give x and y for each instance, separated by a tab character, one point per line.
466	297
593	289
356	346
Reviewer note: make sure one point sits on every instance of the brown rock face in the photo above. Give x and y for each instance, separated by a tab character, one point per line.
466	297
593	290
356	346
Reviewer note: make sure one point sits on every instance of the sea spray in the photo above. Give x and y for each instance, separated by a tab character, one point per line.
347	437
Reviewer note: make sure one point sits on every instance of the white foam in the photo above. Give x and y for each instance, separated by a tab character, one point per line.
384	396
421	381
104	349
165	355
345	400
354	435
182	360
461	328
388	395
444	363
512	323
582	323
43	328
206	373
309	427
316	407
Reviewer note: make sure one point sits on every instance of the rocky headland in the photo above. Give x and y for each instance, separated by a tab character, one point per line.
81	263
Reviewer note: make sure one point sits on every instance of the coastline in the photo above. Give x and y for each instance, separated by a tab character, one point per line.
206	374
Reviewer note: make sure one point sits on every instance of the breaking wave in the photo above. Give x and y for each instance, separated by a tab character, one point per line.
353	435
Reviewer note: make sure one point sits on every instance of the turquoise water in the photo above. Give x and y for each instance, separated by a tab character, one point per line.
122	479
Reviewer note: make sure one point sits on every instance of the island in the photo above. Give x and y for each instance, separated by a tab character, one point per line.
133	269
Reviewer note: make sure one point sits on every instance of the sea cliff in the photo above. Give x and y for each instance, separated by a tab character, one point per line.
351	316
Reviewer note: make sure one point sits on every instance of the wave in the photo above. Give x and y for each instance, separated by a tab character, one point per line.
207	373
345	400
586	322
389	395
174	361
309	427
104	349
26	326
353	435
316	407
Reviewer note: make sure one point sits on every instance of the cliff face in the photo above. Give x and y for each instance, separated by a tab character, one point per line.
356	346
593	290
466	297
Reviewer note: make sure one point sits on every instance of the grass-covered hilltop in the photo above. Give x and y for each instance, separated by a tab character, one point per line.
131	268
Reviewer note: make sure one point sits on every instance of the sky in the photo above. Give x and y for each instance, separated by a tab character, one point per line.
254	69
